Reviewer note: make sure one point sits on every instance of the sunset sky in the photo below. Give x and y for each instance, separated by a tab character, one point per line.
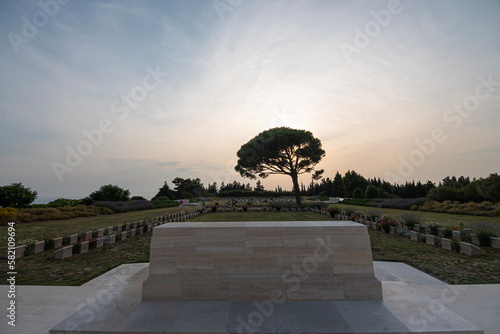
141	92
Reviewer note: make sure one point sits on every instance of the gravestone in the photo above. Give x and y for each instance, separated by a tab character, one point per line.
469	249
84	247
64	253
73	239
58	242
432	240
39	247
99	242
446	243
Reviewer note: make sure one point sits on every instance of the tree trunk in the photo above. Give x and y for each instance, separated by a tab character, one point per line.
296	189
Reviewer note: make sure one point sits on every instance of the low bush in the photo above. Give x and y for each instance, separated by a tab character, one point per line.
163	202
447	233
410	219
471	208
333	210
373	214
349	210
35	214
125	206
77	248
434	228
30	249
357	201
485	230
49	244
386	222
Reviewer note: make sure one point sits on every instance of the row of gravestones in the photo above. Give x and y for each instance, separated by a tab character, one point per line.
264	209
77	244
417	235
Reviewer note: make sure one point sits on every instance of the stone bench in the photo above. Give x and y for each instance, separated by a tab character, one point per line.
314	260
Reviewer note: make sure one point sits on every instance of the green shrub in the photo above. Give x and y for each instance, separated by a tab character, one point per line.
30	248
349	210
434	228
386	222
485	230
49	244
163	202
410	219
333	210
372	214
358	193
372	192
357	201
125	206
447	233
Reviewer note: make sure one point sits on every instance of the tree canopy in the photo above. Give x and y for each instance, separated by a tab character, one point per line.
16	195
110	193
281	151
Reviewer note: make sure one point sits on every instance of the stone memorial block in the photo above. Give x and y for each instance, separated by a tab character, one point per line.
99	242
19	251
474	239
112	239
110	230
469	249
64	253
417	227
84	247
124	236
247	261
73	239
495	242
39	247
431	239
415	236
140	230
88	235
132	233
119	228
455	234
446	243
100	233
392	230
58	242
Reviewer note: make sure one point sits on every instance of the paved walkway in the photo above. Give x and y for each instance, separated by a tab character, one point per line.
40	308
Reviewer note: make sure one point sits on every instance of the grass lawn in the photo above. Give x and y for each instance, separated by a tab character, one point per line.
260	216
43	269
38	231
444	218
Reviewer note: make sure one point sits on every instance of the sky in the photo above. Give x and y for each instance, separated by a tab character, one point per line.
136	93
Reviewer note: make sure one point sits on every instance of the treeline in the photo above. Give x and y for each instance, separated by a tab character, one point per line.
349	185
464	190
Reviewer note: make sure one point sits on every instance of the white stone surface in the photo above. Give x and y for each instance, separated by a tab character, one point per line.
245	261
43	307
